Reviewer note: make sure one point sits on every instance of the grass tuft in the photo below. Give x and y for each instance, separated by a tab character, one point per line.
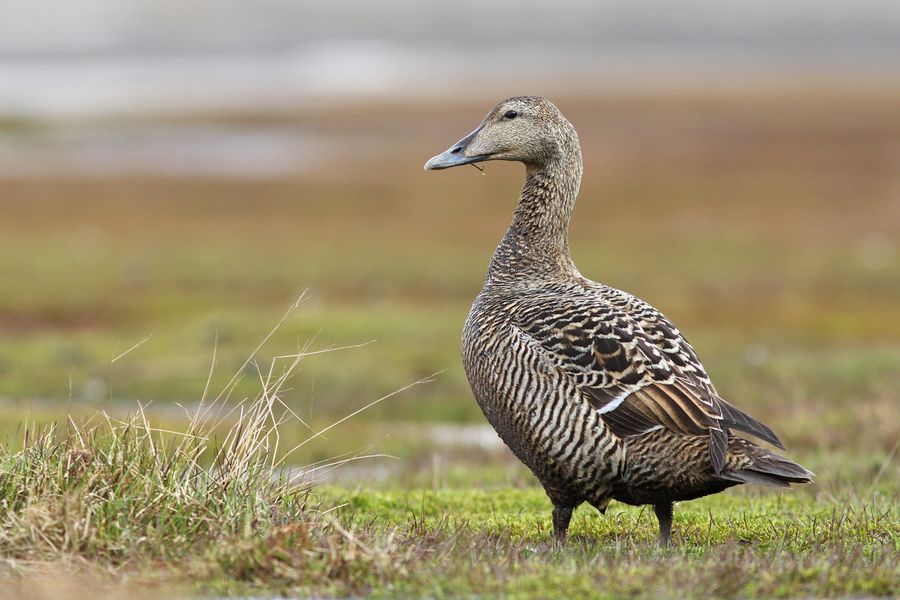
214	503
121	491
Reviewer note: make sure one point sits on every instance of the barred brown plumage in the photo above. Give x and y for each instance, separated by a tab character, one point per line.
593	389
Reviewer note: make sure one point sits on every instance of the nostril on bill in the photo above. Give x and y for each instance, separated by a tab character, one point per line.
456	150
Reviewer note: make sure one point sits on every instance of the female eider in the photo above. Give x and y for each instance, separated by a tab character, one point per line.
592	388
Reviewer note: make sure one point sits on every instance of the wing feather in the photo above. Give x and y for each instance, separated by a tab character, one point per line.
633	366
737	419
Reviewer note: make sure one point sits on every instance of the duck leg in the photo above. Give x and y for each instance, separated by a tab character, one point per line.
664	511
561	517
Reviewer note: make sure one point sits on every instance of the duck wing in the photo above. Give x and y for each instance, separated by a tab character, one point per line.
666	337
638	372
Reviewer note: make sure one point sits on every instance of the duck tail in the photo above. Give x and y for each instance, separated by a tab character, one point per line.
748	463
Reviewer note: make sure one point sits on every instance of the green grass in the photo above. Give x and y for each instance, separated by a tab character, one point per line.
496	543
122	500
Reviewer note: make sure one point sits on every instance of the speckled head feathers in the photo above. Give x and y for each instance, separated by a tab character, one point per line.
527	129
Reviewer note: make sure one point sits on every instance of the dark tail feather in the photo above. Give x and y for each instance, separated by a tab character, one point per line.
754	477
735	418
769	469
782	468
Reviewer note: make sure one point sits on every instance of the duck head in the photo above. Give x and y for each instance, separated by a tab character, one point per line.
527	129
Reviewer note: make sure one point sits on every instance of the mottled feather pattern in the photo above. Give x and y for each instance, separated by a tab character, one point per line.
616	356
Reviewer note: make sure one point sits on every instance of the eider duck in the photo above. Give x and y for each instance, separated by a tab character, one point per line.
593	389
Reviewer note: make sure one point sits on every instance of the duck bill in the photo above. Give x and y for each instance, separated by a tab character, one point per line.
456	155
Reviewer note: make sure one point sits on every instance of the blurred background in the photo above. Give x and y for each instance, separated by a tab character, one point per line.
174	174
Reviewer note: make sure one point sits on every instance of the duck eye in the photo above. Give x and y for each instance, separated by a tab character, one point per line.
510	114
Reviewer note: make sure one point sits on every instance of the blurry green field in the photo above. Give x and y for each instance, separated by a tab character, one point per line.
765	225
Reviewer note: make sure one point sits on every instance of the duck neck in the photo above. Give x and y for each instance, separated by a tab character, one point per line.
536	246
